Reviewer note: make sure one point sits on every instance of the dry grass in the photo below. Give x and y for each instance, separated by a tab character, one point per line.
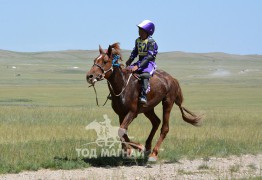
44	111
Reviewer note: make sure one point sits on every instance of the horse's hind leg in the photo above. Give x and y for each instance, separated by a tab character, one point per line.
167	107
155	121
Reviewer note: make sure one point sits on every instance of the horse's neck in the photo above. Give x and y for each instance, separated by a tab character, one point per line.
117	80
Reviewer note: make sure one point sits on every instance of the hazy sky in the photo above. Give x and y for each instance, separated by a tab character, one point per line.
230	26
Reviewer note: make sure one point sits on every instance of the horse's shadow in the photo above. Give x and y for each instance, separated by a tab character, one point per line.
115	161
107	161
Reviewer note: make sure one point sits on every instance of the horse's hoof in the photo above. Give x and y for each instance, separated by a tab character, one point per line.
152	158
147	152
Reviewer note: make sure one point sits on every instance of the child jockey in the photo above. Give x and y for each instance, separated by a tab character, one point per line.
146	48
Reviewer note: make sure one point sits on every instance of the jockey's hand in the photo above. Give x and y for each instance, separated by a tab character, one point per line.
128	62
134	68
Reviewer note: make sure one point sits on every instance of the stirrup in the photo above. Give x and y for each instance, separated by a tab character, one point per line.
142	100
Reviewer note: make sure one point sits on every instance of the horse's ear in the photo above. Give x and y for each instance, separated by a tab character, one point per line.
109	50
101	50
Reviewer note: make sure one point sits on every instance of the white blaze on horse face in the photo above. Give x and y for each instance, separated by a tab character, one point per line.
99	56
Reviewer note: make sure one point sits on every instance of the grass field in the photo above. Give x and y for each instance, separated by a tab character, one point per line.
45	104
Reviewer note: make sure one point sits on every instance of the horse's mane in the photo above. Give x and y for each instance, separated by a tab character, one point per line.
116	49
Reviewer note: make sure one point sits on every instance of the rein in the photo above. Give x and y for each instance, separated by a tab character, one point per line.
122	89
97	98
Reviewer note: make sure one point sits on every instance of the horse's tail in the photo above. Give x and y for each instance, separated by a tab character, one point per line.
191	118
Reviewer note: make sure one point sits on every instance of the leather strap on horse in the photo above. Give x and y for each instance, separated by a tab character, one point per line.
112	90
122	89
97	98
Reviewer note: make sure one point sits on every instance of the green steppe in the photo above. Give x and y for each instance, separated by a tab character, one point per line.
45	104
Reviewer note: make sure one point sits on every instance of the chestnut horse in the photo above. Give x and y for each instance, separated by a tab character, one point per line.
125	89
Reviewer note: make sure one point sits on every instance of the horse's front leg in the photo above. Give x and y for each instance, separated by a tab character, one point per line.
122	132
121	119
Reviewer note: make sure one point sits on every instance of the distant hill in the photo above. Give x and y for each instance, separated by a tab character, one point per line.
207	56
91	54
68	54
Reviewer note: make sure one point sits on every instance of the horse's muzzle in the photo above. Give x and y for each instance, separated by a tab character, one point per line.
91	79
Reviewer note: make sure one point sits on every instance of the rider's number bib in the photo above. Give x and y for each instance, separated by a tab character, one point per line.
142	47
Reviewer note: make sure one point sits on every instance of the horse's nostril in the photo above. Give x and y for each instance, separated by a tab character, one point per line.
89	77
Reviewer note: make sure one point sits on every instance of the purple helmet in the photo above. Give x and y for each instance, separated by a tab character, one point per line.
148	26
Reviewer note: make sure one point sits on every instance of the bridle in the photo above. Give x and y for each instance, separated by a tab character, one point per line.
102	76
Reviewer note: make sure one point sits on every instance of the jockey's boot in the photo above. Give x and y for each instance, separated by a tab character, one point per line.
144	86
142	99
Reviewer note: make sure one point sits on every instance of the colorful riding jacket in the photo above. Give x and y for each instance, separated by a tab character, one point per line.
146	49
